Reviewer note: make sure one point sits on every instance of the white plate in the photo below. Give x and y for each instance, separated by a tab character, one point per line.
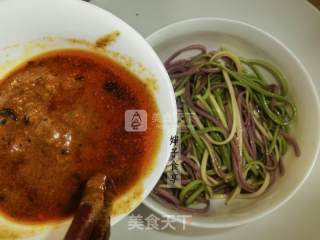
249	41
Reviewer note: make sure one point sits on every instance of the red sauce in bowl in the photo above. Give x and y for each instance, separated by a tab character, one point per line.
62	121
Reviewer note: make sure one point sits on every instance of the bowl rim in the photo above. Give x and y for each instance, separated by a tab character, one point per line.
158	165
164	211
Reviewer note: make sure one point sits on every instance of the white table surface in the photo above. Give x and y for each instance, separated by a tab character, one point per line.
294	22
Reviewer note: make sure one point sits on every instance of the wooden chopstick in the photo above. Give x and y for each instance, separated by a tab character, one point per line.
92	219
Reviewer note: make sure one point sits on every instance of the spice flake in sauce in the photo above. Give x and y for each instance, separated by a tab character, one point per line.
62	121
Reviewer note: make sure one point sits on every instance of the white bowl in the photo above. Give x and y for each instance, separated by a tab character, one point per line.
34	26
249	41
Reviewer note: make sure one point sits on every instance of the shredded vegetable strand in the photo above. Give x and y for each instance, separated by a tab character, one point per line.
234	129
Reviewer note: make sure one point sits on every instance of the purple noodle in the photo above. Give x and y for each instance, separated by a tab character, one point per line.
199	47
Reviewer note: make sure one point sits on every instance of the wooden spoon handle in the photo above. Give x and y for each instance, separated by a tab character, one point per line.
90	208
101	229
